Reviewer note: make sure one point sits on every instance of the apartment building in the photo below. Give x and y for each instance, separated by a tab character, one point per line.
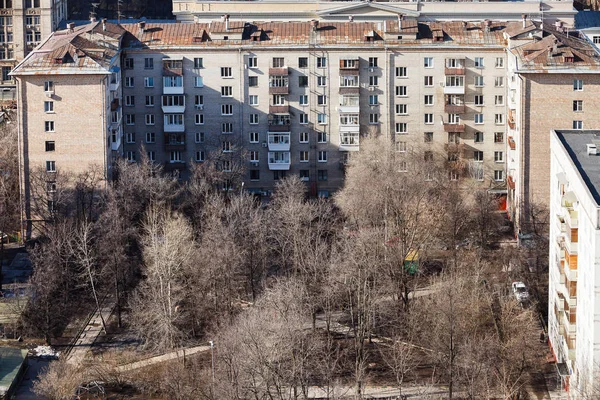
373	10
574	295
298	97
69	92
23	26
553	82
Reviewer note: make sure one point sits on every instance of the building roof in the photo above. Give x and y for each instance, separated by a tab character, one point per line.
10	364
167	35
587	19
90	48
557	49
575	143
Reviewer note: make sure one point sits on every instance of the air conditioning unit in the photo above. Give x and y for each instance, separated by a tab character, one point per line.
199	106
371	88
264	144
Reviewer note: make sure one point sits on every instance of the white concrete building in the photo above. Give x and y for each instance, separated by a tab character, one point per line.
574	295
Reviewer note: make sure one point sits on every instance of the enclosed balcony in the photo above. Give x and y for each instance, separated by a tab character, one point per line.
279	160
279	109
349	104
454	104
114	82
172	67
349	141
511	143
454	66
349	66
114	105
174	123
174	141
278	85
278	141
115	138
454	84
511	119
172	85
349	121
281	71
173	103
279	122
349	85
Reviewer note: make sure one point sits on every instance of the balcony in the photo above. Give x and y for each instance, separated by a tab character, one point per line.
173	104
279	85
174	128
349	140
115	135
454	109
170	166
511	143
114	84
279	109
511	119
454	89
349	66
454	128
279	161
279	123
114	105
174	142
454	147
454	70
172	67
282	71
278	141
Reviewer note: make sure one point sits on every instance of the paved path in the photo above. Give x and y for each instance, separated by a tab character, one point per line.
88	336
381	392
162	358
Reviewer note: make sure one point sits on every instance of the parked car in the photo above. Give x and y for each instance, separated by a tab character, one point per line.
520	291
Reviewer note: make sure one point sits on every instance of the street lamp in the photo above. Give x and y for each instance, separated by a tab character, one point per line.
212	357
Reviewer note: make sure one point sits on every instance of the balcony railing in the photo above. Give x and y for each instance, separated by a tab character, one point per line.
279	161
279	109
175	165
454	70
454	109
279	123
454	128
281	71
278	141
511	143
448	89
511	119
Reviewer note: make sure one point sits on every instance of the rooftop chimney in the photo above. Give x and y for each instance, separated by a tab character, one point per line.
71	26
524	18
142	26
92	17
592	150
103	24
226	19
400	19
351	18
315	24
486	25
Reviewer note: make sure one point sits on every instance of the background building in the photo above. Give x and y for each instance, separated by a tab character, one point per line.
574	295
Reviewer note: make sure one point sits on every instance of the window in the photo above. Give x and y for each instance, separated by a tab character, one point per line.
50	146
304	156
499	100
499	175
48	86
226	109
577	124
304	175
226	91
322	137
373	80
478	156
149	119
372	62
50	166
254	175
428	119
198	100
453	175
401	127
478	118
479	100
226	72
322	174
428	137
479	80
321	81
226	146
499	62
253	119
150	137
373	100
49	106
428	155
401	147
578	84
321	62
129	81
322	156
478	62
373	118
253	81
401	109
149	101
253	156
454	118
401	72
478	137
49	126
401	91
322	100
303	62
253	99
498	137
499	156
148	63
199	119
577	105
428	62
252	62
303	118
322	119
128	63
151	156
199	137
175	156
303	81
499	81
596	39
149	82
303	100
173	119
428	100
226	128
129	101
499	119
402	166
253	137
199	156
198	81
129	119
303	137
198	63
130	137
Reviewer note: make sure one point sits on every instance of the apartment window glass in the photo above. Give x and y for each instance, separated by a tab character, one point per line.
50	166
428	62
373	80
199	137
149	82
253	81
129	81
49	126
428	100
322	119
150	137
577	105
49	106
50	146
401	72
499	119
498	137
401	109
322	156
401	91
304	175
428	119
148	63
401	127
322	137
322	174
373	100
129	119
578	84
254	156
479	80
128	63
304	156
226	72
499	100
372	62
149	101
321	62
321	81
253	137
252	62
226	109
151	156
577	124
478	62
149	119
129	101
303	118
226	146
428	137
478	118
198	81
322	100
198	62
226	91
253	100
478	156
401	147
198	100
303	100
373	118
499	156
303	137
479	100
478	137
303	62
303	81
199	119
278	62
226	128
499	62
499	81
253	119
499	175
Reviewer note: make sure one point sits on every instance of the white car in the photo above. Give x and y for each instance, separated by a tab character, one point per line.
520	291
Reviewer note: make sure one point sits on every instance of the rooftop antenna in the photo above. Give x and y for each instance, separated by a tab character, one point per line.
119	4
